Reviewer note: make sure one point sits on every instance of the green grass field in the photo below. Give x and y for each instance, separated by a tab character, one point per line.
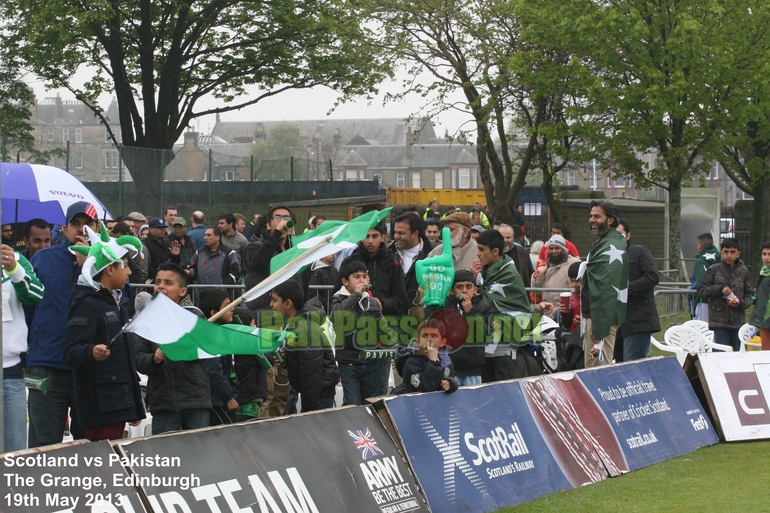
731	477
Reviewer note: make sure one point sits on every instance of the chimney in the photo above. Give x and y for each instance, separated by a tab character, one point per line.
337	139
191	139
409	141
261	134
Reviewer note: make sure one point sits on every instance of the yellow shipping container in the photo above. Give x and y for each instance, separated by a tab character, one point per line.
444	197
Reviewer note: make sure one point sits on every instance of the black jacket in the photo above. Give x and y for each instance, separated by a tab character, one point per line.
410	278
521	260
349	354
159	254
387	278
469	359
317	274
172	386
312	372
421	374
252	379
186	251
717	277
256	263
106	392
641	313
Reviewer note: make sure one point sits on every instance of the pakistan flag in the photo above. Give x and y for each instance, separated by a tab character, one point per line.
606	277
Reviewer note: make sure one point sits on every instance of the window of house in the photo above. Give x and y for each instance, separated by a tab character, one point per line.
620	182
50	133
714	172
464	181
571	179
454	179
229	176
475	182
351	175
78	135
400	179
65	135
78	160
592	181
438	179
416	179
110	159
107	136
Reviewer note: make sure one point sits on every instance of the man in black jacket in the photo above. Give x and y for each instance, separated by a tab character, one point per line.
178	392
261	250
641	314
156	246
410	246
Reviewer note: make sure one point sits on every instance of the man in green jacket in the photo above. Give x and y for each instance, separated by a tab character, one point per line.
708	255
503	290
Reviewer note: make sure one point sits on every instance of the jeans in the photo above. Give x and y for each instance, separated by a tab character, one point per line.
466	381
497	368
727	337
359	382
48	412
636	346
165	421
384	375
15	414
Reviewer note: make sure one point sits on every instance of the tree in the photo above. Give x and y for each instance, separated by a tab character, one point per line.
16	133
161	57
648	70
474	47
272	156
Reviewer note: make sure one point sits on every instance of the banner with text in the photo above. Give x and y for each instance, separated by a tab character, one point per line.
737	387
330	461
481	449
649	404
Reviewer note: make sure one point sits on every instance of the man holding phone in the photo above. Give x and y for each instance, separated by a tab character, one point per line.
58	270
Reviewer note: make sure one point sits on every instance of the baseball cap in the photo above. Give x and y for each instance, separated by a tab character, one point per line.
81	207
179	220
477	228
157	222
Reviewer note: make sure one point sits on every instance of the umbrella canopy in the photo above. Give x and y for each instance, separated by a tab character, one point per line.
32	191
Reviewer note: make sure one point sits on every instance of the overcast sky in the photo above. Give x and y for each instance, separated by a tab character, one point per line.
306	104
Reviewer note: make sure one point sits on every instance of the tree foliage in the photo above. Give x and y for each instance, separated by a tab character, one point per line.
161	57
474	47
272	155
648	69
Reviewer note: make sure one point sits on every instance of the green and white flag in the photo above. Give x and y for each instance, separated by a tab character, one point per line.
183	336
606	276
322	242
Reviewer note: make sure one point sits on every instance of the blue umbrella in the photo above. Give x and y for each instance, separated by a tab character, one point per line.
32	191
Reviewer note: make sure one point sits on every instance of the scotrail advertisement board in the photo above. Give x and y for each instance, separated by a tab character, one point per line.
480	449
649	405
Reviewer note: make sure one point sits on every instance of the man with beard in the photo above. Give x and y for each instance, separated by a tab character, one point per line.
604	290
464	249
554	275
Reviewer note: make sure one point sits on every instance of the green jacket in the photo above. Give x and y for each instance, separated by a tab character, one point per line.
706	258
503	290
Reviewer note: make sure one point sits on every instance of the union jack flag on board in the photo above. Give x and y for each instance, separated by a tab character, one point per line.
366	443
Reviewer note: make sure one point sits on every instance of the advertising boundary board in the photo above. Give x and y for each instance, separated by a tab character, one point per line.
323	462
735	389
632	403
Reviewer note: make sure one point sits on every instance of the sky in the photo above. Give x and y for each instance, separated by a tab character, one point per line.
306	104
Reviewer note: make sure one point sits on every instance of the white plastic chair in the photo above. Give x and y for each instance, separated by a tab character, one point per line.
746	333
682	340
701	326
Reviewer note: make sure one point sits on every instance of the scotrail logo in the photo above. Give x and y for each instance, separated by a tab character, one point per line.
450	452
365	442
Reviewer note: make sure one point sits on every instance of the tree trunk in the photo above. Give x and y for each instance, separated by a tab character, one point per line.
760	222
675	224
147	167
553	203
